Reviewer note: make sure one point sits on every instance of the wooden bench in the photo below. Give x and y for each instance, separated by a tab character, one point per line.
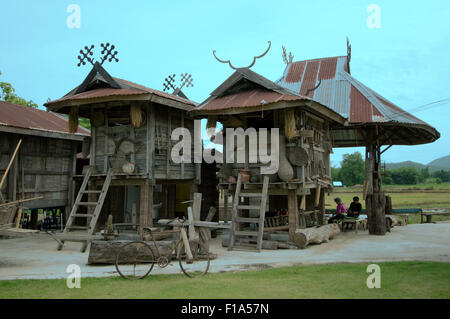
354	222
429	216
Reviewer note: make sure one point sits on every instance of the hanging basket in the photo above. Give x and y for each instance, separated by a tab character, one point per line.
136	115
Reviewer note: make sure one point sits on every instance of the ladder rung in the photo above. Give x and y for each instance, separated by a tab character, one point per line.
82	215
88	203
78	227
246	233
258	207
250	194
92	192
247	220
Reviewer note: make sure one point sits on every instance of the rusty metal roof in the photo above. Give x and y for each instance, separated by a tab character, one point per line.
329	82
13	115
99	84
243	89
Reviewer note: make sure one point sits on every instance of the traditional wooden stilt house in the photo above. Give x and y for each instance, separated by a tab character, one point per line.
247	100
371	120
43	165
131	173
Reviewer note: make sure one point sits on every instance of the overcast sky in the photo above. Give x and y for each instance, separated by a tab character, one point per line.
406	59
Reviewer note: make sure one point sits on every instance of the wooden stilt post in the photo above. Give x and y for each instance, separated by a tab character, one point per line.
146	206
293	213
375	197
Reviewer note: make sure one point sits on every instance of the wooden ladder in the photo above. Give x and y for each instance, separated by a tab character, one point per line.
91	219
259	221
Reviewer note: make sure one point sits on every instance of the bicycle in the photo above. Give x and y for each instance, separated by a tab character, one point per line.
194	260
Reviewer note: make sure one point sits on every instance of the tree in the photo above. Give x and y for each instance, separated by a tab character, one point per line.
352	170
7	94
335	173
424	173
405	176
443	175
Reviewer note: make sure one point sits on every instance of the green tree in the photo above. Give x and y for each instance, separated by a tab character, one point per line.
7	93
335	173
352	169
405	176
443	175
424	173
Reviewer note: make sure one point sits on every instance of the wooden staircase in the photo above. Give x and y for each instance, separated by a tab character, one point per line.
91	219
259	221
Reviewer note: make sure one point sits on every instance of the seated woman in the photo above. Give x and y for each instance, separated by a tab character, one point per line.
355	208
340	211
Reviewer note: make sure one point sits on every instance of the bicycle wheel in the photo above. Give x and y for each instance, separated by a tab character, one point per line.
199	265
135	260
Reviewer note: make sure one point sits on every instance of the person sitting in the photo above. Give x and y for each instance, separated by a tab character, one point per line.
340	211
355	208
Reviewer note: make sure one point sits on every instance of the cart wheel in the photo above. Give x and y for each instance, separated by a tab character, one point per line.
135	260
199	264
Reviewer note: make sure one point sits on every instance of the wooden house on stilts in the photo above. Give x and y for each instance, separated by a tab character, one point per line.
249	101
372	121
131	174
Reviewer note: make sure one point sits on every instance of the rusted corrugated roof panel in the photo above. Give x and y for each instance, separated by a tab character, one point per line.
157	92
295	73
97	93
309	78
327	68
361	110
30	118
253	97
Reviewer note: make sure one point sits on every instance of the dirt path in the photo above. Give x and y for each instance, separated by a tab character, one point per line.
36	256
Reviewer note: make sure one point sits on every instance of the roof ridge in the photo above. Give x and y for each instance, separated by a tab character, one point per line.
331	57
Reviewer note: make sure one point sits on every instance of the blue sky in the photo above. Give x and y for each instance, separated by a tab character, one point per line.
406	59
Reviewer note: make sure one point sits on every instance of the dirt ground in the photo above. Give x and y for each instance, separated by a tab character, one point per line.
35	256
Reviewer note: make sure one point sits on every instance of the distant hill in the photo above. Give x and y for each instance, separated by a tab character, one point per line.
443	162
436	165
412	164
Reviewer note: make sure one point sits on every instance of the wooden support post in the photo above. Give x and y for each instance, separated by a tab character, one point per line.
19	216
187	247
197	205
303	203
293	213
193	234
375	197
146	206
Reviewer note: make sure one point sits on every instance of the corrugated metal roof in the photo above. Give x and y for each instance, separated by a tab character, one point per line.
97	93
248	98
34	119
261	92
328	82
341	92
117	87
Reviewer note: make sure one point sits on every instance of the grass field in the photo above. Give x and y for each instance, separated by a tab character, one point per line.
398	280
403	196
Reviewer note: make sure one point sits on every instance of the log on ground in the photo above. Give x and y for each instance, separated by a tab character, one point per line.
315	235
105	252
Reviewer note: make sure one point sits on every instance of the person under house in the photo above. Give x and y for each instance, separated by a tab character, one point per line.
340	211
355	208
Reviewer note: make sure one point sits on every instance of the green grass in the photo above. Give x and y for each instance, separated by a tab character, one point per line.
398	280
399	200
413	199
